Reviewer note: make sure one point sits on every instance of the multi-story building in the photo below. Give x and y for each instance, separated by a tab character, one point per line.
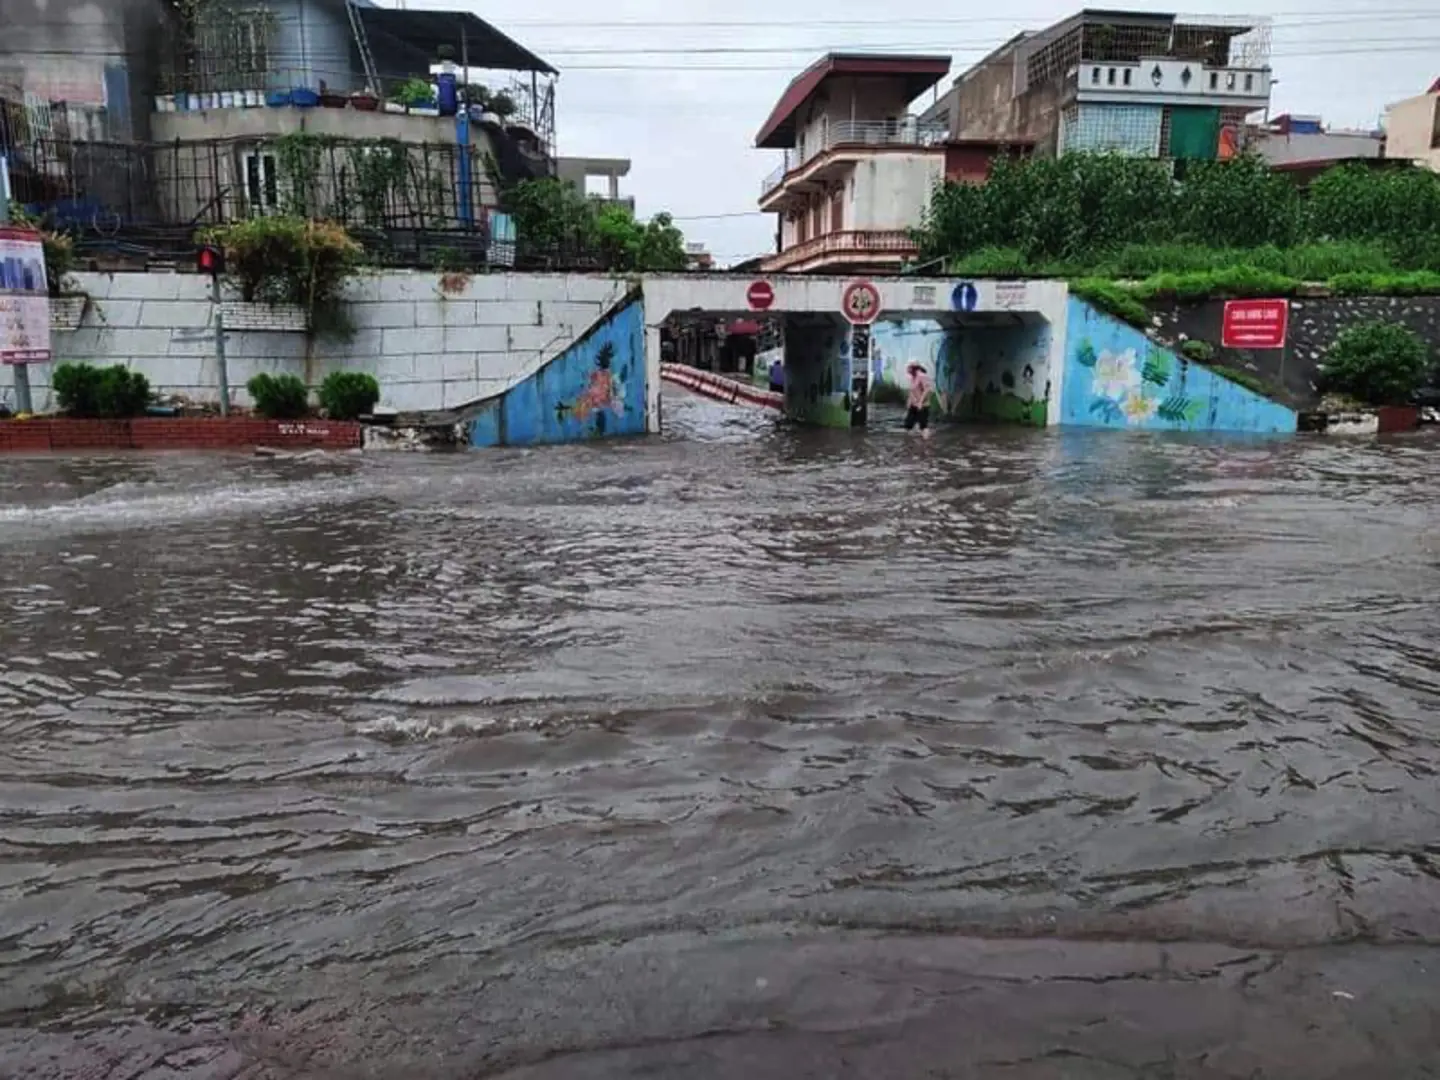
1117	81
859	166
335	108
1412	129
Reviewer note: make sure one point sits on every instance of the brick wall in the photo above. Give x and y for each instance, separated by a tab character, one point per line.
157	433
429	349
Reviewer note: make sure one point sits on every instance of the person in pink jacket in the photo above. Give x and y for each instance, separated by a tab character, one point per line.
917	412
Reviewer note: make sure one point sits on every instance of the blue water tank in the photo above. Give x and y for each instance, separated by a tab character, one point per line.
449	98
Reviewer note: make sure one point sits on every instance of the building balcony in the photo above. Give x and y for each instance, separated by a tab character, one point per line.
877	248
845	142
1164	81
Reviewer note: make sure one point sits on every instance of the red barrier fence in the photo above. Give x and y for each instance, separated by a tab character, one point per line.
178	433
720	387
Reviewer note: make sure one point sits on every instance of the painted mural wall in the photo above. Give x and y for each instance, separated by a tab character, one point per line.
1116	377
817	370
594	389
989	373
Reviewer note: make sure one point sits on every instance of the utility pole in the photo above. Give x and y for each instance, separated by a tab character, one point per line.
21	371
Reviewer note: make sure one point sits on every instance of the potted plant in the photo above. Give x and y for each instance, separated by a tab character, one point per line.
476	99
417	96
332	99
364	101
503	105
302	97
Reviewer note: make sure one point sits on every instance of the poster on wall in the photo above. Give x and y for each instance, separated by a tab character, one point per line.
24	298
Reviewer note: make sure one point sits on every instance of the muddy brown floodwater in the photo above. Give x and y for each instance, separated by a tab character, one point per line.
745	752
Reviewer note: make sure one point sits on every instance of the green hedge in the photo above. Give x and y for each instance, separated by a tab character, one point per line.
1108	215
348	395
279	397
114	392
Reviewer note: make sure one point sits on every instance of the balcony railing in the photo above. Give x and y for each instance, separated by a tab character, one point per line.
888	244
902	132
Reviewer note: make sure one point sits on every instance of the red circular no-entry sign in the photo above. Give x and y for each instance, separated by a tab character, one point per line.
760	296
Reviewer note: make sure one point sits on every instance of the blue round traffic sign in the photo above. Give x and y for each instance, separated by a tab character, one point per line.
965	297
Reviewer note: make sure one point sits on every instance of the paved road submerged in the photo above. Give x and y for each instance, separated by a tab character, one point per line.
742	752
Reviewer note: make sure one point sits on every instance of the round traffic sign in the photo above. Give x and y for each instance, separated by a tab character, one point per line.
760	296
860	303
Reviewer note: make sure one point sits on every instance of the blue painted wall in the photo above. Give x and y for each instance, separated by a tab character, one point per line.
1116	377
594	389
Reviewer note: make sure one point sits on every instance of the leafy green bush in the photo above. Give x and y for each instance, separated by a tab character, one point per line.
349	395
555	219
110	393
1117	216
279	397
1200	351
75	387
283	259
1377	362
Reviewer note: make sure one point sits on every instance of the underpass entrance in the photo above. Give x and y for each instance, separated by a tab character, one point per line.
992	348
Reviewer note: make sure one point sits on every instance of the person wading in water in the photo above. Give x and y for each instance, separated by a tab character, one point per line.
917	412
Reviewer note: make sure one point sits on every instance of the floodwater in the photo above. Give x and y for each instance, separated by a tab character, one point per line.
743	752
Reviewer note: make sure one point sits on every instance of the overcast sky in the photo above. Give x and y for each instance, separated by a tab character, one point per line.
689	129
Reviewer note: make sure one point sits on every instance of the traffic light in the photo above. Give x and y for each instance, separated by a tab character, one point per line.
211	260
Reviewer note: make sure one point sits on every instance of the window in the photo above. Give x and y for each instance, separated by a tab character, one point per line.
1095	76
1125	77
262	182
1111	78
1214	80
1249	82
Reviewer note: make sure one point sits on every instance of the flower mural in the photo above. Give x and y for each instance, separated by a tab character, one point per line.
1116	377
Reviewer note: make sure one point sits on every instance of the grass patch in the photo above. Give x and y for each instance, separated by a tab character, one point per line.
1248	379
1112	298
1364	283
1230	282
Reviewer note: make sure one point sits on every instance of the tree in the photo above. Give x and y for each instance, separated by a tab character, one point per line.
553	217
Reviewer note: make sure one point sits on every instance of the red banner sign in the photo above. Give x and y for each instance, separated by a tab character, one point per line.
1255	324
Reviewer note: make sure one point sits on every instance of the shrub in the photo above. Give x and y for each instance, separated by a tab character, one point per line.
349	395
75	387
1376	362
291	260
114	392
1128	217
1200	351
279	397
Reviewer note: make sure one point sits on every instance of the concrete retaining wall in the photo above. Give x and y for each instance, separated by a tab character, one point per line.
1315	322
427	348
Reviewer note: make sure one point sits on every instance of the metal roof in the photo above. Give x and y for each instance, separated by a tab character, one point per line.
919	72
